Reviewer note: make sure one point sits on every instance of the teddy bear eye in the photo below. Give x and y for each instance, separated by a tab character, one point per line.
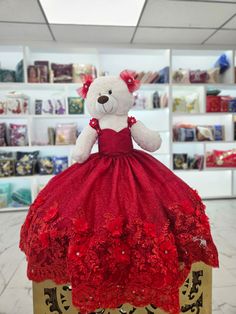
110	92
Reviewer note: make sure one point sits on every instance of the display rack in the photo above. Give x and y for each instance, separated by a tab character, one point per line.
210	182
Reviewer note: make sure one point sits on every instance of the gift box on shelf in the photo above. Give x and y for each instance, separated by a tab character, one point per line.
195	296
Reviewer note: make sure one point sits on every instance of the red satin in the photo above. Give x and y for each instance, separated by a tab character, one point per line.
121	228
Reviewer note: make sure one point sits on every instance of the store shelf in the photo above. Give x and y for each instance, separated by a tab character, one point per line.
13	209
113	61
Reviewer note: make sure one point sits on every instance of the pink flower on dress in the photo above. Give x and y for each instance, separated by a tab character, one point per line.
51	213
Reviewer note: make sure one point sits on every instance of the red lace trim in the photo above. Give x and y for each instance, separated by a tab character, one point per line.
123	262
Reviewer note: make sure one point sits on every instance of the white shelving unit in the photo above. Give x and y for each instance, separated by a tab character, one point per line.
112	61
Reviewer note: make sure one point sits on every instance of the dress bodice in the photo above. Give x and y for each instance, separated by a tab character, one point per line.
114	142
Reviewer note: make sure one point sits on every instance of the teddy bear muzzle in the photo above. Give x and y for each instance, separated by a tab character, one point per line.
106	104
103	99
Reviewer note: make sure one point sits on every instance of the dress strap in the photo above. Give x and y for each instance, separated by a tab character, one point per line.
95	125
131	121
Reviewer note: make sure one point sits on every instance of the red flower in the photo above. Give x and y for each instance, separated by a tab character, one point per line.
121	253
150	229
168	250
82	91
114	226
76	251
131	82
51	213
80	225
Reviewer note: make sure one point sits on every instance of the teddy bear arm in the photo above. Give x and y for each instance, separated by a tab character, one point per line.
147	139
84	144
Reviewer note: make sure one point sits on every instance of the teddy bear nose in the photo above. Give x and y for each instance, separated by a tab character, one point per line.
103	99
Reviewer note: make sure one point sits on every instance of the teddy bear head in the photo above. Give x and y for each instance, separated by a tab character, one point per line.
109	94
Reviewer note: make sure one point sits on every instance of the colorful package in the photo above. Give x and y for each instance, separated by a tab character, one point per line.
220	158
60	106
75	105
179	104
66	134
192	103
3	134
213	76
18	135
7	76
62	73
17	103
38	104
219	132
156	100
26	162
232	105
21	197
198	76
213	103
180	161
163	76
33	74
205	133
186	134
45	165
60	164
5	192
7	167
223	63
196	162
43	70
181	76
48	107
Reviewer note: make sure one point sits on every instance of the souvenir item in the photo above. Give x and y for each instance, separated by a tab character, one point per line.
180	161
192	103
33	74
18	135
20	72
3	134
7	76
219	158
117	219
7	167
62	73
66	134
59	164
43	70
181	76
60	106
45	165
38	106
219	132
222	63
198	76
5	192
25	163
205	133
75	105
179	104
22	197
213	76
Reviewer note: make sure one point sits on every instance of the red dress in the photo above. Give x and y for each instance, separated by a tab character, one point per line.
120	228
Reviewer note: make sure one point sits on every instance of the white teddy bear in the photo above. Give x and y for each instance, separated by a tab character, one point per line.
109	100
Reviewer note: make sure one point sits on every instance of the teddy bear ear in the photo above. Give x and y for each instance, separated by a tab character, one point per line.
82	91
129	78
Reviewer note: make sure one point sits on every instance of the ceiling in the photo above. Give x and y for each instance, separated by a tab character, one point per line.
157	22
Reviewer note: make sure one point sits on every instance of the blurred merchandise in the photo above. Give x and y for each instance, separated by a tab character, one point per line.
18	135
21	197
75	105
26	162
60	164
66	134
184	162
220	158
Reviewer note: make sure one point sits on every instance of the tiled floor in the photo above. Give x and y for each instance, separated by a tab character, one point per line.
15	289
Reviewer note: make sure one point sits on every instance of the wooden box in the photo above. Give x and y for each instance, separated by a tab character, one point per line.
195	296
